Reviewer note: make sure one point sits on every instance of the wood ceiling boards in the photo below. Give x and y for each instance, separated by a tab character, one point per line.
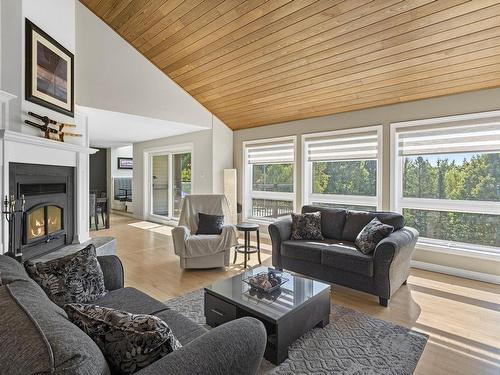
260	62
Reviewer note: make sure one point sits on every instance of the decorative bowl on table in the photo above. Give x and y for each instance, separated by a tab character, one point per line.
266	282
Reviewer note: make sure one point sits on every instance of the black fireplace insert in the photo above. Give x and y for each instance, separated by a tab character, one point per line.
49	219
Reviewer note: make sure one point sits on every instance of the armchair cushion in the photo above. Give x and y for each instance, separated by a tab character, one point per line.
210	224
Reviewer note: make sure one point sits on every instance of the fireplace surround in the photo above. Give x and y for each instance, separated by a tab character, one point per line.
49	219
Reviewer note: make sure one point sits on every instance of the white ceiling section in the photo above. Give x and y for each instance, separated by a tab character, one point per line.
127	98
114	129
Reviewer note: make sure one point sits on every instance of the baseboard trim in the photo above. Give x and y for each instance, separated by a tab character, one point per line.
479	276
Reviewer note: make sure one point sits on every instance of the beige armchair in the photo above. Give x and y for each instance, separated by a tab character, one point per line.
203	251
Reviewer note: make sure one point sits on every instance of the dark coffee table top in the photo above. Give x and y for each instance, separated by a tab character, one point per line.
270	306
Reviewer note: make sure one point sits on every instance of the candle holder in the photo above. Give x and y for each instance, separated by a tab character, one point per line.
10	211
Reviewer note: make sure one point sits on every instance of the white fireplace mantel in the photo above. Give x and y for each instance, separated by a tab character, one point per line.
16	147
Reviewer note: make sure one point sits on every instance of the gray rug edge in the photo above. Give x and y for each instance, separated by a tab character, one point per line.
195	297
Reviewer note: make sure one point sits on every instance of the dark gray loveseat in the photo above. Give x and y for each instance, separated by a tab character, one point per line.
337	260
36	336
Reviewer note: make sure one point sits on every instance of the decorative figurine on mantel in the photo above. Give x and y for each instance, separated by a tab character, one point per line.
10	212
56	134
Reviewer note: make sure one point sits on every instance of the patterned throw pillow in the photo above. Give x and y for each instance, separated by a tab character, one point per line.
76	277
306	226
129	342
373	232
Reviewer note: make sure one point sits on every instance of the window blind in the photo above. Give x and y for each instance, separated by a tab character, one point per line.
343	146
275	152
483	136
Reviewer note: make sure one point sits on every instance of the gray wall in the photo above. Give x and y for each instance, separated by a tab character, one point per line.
479	101
98	170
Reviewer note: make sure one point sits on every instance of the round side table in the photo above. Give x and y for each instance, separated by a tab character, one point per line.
246	249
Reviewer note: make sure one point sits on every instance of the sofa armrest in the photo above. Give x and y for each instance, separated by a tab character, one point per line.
180	235
279	231
391	260
400	243
236	347
112	268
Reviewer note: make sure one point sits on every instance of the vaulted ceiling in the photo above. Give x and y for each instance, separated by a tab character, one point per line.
259	62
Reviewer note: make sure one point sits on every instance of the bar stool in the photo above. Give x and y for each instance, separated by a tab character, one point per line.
246	249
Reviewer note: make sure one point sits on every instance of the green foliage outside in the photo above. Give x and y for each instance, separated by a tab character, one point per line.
474	177
273	177
186	167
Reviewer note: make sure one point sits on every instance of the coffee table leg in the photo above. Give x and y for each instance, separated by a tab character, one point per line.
324	322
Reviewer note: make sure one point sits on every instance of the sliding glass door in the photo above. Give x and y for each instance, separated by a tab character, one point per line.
170	181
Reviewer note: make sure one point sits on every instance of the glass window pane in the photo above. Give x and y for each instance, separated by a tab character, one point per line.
181	168
468	176
345	206
355	177
160	185
481	229
271	208
273	177
36	223
54	218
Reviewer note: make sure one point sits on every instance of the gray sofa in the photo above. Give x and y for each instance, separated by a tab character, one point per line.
36	336
336	259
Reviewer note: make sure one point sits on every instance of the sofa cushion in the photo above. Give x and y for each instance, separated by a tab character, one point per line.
332	220
73	278
371	235
184	328
71	351
306	226
345	256
307	250
129	342
131	300
357	220
11	270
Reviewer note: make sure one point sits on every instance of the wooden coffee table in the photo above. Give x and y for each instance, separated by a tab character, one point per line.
298	306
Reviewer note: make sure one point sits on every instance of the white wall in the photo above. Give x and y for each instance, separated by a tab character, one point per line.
113	76
479	101
222	144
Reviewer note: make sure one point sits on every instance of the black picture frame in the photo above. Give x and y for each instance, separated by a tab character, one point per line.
125	163
31	89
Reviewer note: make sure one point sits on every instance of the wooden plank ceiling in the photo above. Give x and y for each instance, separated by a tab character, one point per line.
259	62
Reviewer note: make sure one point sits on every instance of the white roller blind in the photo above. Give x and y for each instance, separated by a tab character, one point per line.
274	152
445	138
343	146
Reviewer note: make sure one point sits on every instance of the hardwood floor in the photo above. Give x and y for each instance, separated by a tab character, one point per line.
461	316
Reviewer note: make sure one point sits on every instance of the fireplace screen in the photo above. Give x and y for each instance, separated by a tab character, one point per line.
43	221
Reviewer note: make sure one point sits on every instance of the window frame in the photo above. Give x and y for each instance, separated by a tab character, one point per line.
398	202
249	193
308	197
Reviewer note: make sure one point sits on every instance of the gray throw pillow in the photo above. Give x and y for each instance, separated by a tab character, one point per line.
76	277
306	226
129	342
373	232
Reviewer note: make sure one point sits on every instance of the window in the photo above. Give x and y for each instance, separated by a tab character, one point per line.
342	169
446	180
269	178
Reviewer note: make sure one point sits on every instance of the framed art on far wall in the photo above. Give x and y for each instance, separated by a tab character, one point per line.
125	163
49	72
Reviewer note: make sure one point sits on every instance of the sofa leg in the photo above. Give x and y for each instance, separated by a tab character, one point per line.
405	282
383	301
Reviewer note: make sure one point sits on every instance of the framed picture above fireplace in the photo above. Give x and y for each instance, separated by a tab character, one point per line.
49	75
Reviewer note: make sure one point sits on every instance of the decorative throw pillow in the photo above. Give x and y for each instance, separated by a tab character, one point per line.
129	342
306	226
210	224
373	232
76	277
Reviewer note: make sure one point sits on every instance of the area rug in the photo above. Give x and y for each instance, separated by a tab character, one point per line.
353	343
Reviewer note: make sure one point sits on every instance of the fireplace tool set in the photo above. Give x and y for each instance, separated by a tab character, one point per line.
52	129
10	211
